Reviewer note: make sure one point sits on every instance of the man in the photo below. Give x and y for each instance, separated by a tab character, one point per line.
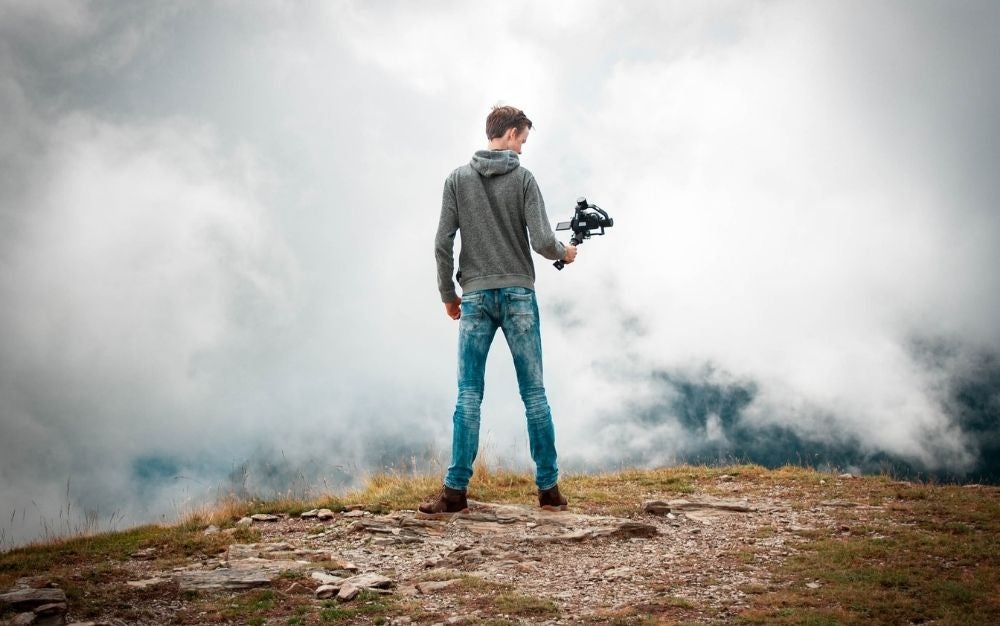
497	206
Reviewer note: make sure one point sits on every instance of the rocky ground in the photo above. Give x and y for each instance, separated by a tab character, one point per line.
697	559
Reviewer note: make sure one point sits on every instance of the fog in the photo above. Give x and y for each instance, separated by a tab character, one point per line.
216	225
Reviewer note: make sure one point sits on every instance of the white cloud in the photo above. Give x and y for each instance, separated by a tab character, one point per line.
217	221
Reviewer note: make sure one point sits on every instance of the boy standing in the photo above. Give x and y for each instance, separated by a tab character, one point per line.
497	206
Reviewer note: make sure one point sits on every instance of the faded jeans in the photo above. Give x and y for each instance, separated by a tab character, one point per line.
515	310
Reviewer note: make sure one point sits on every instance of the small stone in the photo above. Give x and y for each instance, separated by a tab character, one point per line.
346	566
145	554
813	585
348	592
211	530
325	514
326	591
656	507
846	476
244	521
618	573
264	517
725	478
354	513
298	589
309	513
24	619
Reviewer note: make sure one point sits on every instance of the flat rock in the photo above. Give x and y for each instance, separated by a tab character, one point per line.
244	574
396	540
145	584
326	591
310	513
624	530
327	579
27	599
431	586
264	517
354	513
278	552
370	580
706	503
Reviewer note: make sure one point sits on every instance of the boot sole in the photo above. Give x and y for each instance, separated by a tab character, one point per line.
554	508
449	515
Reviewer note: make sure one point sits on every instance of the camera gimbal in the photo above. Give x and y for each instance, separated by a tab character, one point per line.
588	220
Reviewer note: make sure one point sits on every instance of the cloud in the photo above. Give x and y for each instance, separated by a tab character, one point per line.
217	223
141	265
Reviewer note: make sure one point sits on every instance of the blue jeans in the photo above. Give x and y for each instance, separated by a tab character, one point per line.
515	310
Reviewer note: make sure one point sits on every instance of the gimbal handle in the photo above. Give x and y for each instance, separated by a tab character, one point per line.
560	263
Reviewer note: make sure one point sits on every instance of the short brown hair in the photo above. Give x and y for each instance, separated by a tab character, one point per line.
503	118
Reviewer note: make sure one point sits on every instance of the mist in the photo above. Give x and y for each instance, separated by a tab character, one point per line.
216	226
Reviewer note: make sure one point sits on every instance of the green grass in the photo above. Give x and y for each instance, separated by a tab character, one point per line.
935	557
367	604
250	604
525	606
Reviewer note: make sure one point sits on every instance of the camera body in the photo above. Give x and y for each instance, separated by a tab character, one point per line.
588	220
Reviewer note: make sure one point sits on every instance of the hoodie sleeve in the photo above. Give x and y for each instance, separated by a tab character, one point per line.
444	242
543	239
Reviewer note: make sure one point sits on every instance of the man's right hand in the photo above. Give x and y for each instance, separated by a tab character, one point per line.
454	308
570	254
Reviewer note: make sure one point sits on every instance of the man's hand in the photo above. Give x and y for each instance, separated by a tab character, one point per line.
454	309
570	254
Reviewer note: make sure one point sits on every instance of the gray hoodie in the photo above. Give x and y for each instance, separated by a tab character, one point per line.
497	206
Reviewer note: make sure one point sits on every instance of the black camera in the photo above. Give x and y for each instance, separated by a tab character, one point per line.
588	220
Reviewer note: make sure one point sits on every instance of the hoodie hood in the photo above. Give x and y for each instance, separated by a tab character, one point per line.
494	162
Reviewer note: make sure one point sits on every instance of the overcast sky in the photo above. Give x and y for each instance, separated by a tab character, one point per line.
216	225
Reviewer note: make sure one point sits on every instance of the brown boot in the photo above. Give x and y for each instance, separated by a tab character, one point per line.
444	503
552	500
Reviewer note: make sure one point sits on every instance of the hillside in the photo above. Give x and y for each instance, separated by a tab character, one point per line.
738	544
